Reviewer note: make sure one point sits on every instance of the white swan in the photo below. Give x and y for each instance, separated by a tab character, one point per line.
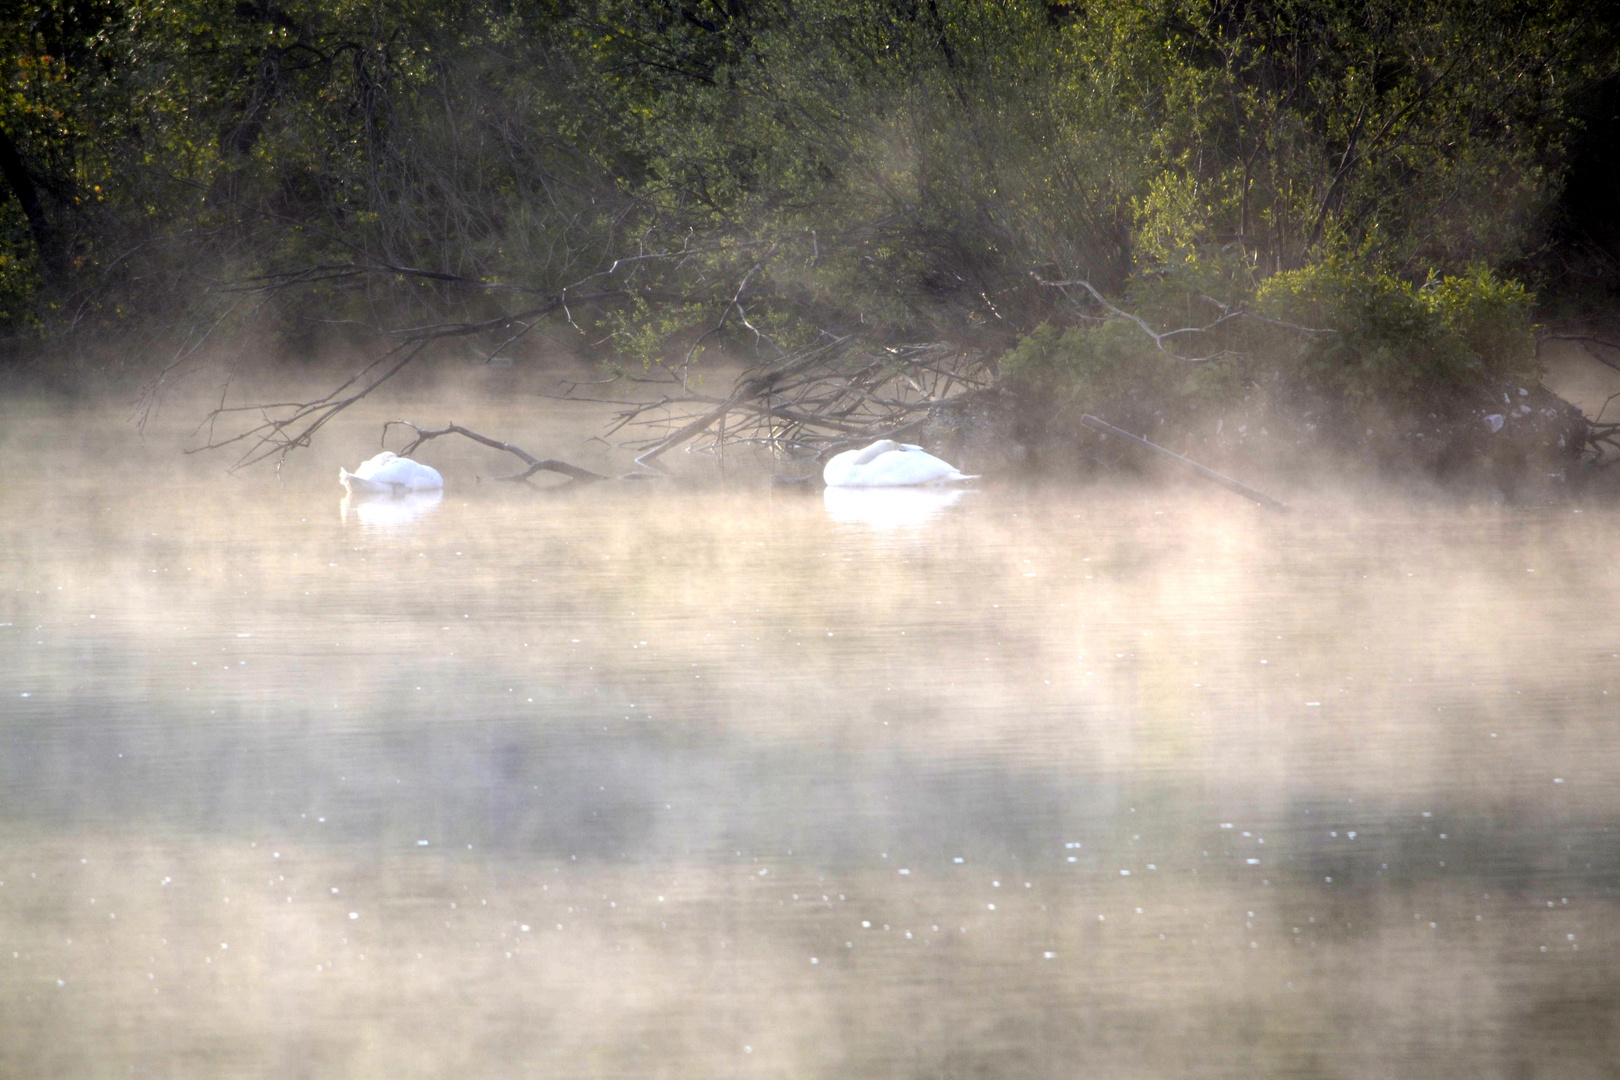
390	474
887	463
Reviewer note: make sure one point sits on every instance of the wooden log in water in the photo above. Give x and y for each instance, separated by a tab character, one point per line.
1207	473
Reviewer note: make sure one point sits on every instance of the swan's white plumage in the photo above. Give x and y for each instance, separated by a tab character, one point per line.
887	463
388	473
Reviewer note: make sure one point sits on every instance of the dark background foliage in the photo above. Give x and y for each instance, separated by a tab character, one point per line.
631	173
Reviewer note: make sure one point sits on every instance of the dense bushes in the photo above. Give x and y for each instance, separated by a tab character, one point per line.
1395	340
1333	332
888	168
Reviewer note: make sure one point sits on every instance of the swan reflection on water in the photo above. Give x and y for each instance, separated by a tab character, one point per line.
890	507
389	511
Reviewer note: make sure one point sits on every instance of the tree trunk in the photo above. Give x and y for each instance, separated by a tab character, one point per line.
15	170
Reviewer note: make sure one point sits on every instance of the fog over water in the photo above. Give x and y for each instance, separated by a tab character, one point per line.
720	779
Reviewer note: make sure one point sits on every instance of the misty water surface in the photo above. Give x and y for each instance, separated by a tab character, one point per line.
651	781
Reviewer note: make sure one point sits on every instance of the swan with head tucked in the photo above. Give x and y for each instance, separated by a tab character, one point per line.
390	474
887	463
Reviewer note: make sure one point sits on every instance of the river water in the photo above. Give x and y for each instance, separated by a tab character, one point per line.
722	779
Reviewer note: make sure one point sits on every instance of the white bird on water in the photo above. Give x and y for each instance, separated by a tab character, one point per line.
887	463
390	474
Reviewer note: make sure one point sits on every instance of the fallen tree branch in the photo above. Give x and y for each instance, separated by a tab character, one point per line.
573	472
748	387
275	436
285	426
1207	473
824	394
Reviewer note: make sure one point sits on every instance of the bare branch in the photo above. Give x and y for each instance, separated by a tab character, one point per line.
748	387
1228	312
805	401
277	437
734	304
573	472
1158	338
1233	311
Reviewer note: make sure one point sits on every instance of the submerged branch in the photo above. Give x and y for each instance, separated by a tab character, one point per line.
1187	463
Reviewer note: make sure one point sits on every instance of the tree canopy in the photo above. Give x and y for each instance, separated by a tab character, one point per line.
646	175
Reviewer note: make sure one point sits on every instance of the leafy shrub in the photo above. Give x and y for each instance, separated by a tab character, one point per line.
1114	368
1353	334
19	287
1392	338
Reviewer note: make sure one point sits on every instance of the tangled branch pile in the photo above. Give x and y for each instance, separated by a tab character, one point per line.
813	402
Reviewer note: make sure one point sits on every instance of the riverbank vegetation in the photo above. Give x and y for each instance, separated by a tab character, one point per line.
1153	207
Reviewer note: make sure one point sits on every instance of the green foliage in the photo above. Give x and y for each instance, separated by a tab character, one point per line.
1336	329
1080	364
1114	368
935	152
1419	134
176	144
892	168
19	285
1396	340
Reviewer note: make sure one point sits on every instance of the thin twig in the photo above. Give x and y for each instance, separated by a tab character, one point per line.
1228	312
